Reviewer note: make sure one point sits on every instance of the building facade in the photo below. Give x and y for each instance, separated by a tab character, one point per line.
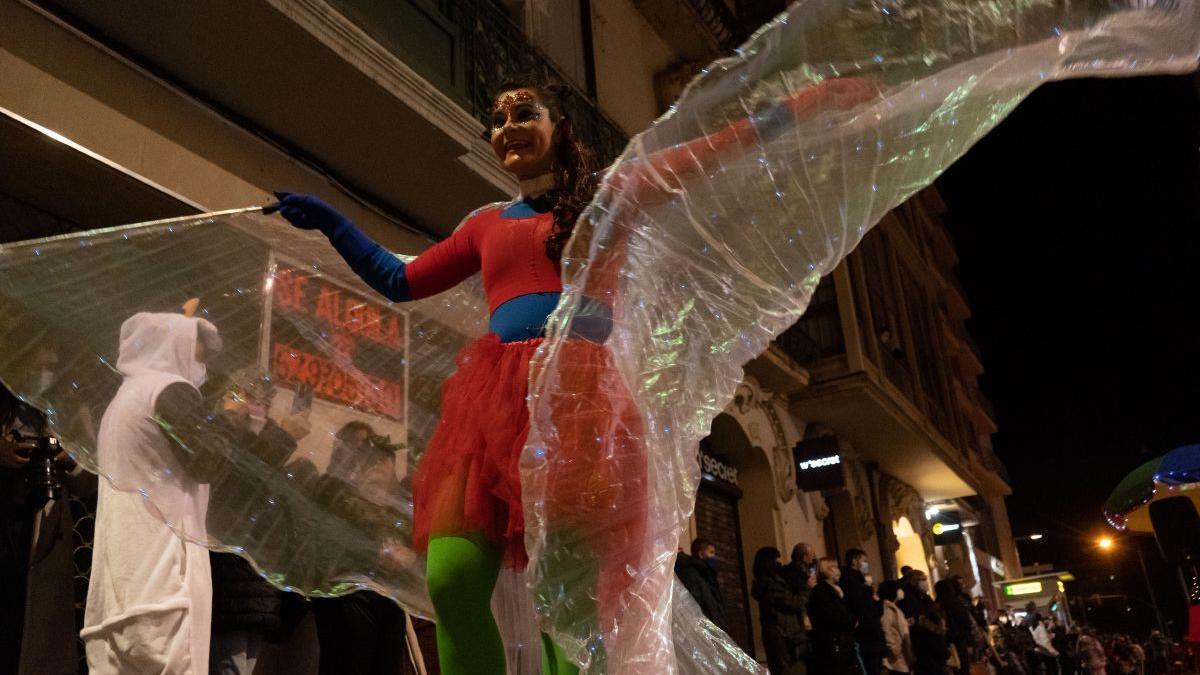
114	113
876	389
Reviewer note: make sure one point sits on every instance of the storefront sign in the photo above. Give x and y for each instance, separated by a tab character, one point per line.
368	341
946	528
718	470
1023	588
818	464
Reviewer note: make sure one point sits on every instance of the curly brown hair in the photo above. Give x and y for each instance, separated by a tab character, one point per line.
572	164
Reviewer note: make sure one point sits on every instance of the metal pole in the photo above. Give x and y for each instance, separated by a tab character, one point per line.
1150	589
132	226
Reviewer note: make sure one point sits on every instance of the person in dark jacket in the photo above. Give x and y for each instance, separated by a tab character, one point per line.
1011	645
363	632
781	614
801	572
860	598
932	651
833	624
38	628
917	601
698	572
247	611
960	625
979	612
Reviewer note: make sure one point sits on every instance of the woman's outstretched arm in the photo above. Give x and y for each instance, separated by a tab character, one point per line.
663	172
441	267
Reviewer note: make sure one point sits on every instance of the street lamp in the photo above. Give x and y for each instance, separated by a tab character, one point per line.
1024	537
1106	544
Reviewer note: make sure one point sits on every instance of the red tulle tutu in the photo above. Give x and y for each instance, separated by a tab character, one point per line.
468	480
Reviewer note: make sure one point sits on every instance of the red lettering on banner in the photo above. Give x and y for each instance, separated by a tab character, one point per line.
344	314
391	334
289	289
327	305
365	392
343	344
348	318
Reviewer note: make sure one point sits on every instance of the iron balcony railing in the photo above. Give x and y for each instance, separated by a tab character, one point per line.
495	49
720	22
468	48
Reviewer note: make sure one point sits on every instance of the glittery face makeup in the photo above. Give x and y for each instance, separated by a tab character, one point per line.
522	133
518	107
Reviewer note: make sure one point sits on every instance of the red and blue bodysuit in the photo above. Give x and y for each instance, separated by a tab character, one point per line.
467	483
505	242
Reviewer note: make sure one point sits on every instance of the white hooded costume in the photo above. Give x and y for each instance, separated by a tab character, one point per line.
149	603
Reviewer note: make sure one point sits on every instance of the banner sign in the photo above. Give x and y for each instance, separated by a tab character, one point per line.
362	361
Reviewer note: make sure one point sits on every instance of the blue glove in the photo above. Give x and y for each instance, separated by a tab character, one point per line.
381	270
309	213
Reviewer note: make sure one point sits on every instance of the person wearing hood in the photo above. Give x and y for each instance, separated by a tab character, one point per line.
149	603
698	572
781	614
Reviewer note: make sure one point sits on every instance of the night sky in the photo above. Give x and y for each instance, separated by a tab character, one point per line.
1078	227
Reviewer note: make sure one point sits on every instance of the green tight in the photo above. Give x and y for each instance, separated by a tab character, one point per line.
461	572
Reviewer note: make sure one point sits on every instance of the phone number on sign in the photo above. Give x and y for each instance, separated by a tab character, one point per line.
365	392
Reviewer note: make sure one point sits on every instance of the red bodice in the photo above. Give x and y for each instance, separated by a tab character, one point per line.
510	251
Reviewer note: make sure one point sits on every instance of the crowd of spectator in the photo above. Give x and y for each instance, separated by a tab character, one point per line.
818	616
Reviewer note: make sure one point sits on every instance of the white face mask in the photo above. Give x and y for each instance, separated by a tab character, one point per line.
899	596
864	567
923	585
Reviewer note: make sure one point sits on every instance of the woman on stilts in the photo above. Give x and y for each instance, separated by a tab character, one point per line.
468	515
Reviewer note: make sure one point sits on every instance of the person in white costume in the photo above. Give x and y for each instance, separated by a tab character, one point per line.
150	599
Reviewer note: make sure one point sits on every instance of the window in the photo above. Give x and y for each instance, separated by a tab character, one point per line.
818	333
885	308
562	29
